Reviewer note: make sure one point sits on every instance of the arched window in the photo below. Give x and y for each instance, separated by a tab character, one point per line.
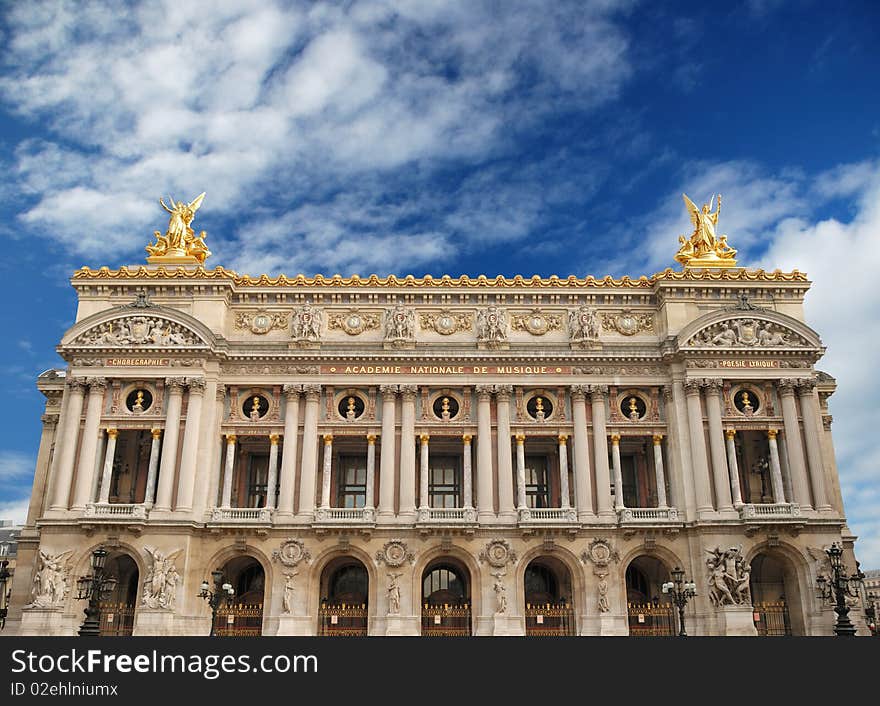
443	585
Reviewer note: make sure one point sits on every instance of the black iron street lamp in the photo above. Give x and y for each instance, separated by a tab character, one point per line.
838	588
222	593
871	613
4	592
682	591
95	587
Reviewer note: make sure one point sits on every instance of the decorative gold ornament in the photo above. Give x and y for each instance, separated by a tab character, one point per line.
446	322
179	245
704	248
354	322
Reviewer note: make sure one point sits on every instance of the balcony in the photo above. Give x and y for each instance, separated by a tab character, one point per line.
770	511
547	517
647	515
241	515
116	511
345	517
453	517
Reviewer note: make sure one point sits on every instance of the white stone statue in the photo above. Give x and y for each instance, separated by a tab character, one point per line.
160	583
400	324
728	577
500	593
393	593
306	323
492	325
583	325
602	589
51	582
287	599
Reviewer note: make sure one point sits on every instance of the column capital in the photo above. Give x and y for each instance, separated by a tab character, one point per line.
484	392
371	439
578	392
424	438
693	386
409	392
562	439
312	391
157	433
292	392
196	385
273	439
328	439
713	385
466	438
730	433
75	383
597	392
786	386
615	439
503	392
772	434
230	439
657	438
97	384
49	419
112	432
805	386
520	439
389	392
175	384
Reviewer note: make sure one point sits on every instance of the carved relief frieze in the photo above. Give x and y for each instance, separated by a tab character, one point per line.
447	322
354	321
138	331
747	333
260	322
536	322
627	322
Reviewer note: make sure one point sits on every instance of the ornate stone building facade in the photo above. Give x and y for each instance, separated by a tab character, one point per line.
404	456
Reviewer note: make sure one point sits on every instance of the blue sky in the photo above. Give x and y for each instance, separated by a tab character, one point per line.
444	137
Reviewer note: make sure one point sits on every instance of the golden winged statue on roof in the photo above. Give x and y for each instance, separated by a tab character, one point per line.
704	248
180	244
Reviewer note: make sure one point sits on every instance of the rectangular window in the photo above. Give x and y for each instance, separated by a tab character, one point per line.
351	485
444	481
258	479
629	473
537	482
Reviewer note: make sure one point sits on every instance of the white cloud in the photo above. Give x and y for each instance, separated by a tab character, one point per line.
15	465
15	510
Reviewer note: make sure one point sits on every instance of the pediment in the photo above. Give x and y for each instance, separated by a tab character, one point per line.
151	328
756	330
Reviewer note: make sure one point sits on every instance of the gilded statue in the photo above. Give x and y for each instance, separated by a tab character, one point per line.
704	248
180	243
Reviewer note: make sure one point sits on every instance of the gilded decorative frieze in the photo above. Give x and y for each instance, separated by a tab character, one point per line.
447	322
628	323
260	322
354	321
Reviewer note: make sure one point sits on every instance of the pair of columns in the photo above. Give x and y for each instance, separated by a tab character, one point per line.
85	463
467	471
659	471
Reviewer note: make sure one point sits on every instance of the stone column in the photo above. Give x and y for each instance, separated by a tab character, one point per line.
168	463
152	468
506	510
407	510
618	474
371	471
720	472
521	502
733	467
565	503
309	468
288	450
107	474
795	449
699	460
68	435
41	495
485	490
327	470
467	472
813	429
775	468
272	482
85	468
423	471
786	470
189	453
214	460
583	493
386	460
600	451
207	466
226	500
659	475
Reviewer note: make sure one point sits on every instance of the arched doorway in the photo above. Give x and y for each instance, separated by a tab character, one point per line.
650	611
548	594
117	611
345	587
446	599
775	596
243	615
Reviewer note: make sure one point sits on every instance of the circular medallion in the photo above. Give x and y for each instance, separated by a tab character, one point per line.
537	324
445	324
498	553
261	323
139	400
627	324
291	552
